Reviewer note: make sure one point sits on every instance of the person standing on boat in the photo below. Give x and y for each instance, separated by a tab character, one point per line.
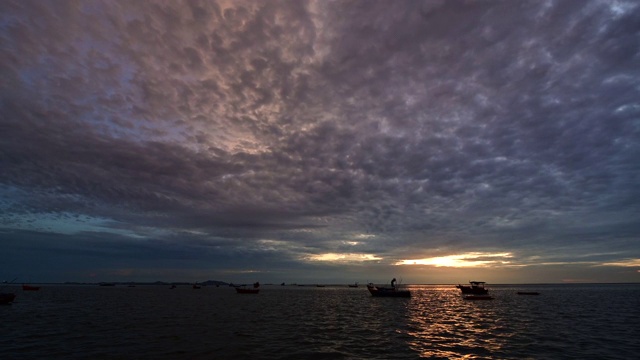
393	283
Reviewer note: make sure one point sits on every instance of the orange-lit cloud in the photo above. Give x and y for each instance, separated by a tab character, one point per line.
335	257
471	259
624	263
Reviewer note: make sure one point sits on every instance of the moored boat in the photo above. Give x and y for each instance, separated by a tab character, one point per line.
379	291
353	285
475	288
7	298
528	293
26	287
246	290
241	290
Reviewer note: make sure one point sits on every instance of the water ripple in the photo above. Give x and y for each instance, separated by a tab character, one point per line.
151	322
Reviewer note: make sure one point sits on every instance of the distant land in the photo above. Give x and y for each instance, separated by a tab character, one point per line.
224	283
204	283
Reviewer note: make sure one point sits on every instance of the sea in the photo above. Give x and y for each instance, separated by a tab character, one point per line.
568	321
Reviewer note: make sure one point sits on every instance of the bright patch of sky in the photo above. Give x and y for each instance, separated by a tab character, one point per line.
335	257
473	259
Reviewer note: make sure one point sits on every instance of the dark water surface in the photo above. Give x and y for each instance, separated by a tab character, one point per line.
335	322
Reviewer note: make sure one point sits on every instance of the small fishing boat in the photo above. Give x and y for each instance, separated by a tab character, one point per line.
246	290
475	288
196	286
241	290
379	291
26	287
7	298
528	293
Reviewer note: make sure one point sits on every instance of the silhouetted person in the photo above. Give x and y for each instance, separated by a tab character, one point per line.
393	283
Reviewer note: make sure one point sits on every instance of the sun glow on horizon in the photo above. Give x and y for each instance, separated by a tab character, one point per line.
336	257
241	271
472	259
624	263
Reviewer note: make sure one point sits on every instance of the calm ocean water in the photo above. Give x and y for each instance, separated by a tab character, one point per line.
335	322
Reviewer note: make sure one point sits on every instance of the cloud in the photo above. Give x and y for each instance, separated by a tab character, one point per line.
434	128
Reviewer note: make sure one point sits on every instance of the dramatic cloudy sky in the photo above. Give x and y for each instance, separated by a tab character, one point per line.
320	141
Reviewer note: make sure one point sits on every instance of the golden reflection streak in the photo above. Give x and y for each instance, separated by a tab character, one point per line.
442	325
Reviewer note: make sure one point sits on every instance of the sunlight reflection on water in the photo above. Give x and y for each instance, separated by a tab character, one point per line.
444	325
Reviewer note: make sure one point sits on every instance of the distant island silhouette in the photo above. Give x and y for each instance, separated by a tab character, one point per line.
203	283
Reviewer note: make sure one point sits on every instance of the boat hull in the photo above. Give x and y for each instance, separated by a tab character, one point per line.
30	288
247	291
528	293
388	292
7	298
465	289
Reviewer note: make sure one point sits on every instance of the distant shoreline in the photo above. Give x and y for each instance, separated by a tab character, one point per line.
222	283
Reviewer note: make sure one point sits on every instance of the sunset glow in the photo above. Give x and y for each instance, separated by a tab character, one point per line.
473	259
334	257
624	263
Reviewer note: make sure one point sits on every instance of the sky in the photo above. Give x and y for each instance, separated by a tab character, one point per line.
320	141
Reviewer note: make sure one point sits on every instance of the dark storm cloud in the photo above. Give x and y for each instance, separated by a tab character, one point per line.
415	129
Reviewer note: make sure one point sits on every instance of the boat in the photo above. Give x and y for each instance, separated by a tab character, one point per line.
241	290
26	287
107	284
246	290
477	297
172	287
528	293
196	286
379	291
7	298
475	288
353	285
